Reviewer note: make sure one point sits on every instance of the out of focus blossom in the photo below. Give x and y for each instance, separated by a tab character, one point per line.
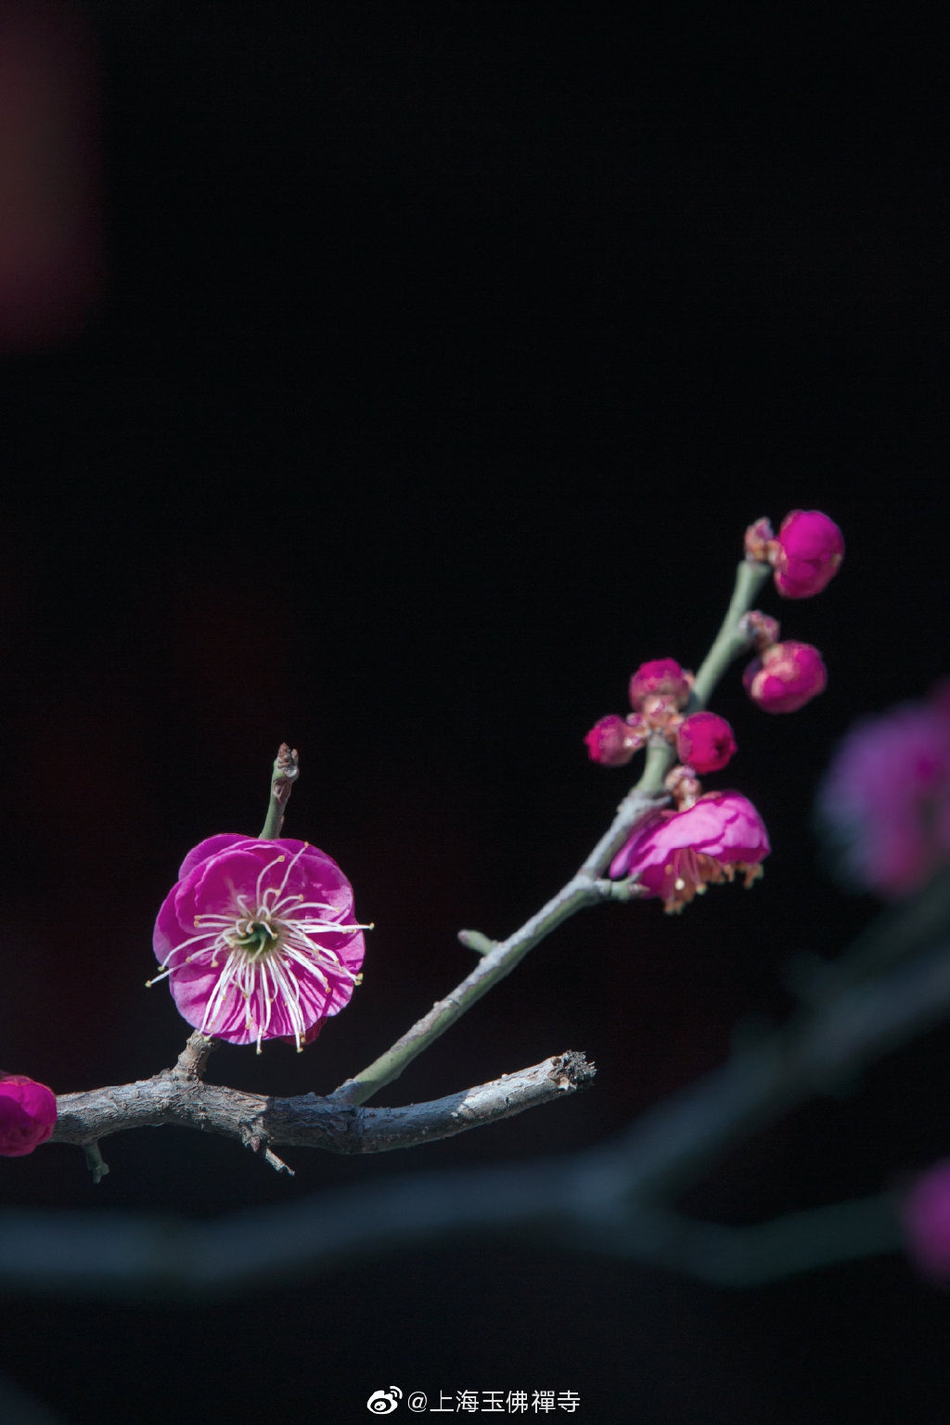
786	677
27	1115
925	1217
884	804
678	853
705	742
257	939
808	554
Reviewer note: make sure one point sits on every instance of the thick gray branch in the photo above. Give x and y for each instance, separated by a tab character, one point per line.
175	1097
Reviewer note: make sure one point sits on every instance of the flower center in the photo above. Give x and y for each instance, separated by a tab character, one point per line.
254	936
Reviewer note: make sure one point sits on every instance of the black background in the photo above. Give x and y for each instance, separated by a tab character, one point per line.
443	355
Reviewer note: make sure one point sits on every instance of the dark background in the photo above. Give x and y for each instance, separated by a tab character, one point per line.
435	360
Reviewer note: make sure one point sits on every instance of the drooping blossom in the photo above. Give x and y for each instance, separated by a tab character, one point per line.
27	1115
786	677
705	742
925	1218
660	678
257	939
884	804
612	741
678	853
809	548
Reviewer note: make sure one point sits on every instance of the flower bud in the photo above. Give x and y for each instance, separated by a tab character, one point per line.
612	742
808	552
705	742
661	678
760	541
761	629
786	677
27	1114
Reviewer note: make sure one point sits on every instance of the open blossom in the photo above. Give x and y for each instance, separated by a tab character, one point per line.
27	1115
786	677
257	939
809	548
705	742
925	1214
884	803
678	853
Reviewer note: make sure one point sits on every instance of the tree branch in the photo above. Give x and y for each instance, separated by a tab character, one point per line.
172	1097
608	1198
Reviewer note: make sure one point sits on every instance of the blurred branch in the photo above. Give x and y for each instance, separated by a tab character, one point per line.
609	1198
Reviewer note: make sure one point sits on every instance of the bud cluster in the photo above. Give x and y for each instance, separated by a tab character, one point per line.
805	555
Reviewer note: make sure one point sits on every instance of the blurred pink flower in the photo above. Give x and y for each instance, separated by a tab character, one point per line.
678	853
705	741
925	1214
884	803
257	940
786	677
809	548
27	1115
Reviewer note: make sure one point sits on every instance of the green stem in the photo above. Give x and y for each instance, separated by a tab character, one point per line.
730	640
286	771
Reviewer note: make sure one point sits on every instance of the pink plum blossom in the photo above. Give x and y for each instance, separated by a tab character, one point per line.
786	677
809	548
925	1218
885	800
678	853
705	742
27	1114
612	741
660	678
257	940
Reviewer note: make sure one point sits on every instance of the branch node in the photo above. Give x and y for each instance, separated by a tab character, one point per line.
475	940
95	1162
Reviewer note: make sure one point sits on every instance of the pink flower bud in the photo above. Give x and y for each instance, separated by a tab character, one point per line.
762	629
612	741
27	1114
661	678
677	854
926	1222
809	550
786	677
705	741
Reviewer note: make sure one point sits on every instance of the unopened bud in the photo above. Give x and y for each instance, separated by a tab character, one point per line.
808	552
786	677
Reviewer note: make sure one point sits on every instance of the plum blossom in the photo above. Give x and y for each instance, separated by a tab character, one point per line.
27	1114
257	939
704	740
925	1214
678	853
786	677
809	548
884	803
